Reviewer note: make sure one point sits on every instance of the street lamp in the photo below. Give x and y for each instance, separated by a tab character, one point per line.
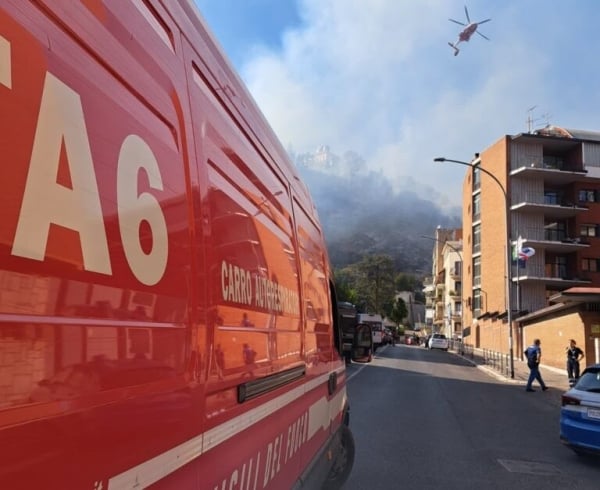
508	257
462	323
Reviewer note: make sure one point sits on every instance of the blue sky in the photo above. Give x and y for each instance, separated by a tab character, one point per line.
377	77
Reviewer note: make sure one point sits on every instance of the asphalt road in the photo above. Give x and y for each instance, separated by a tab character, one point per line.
426	419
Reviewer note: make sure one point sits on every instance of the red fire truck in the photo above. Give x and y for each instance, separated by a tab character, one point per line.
167	312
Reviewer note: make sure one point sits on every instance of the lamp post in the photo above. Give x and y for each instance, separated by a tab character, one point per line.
462	323
508	257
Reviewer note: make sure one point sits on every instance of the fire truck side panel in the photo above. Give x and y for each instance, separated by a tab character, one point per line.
94	243
253	224
165	310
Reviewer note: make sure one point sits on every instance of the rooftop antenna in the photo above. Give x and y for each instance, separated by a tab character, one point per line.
546	116
530	119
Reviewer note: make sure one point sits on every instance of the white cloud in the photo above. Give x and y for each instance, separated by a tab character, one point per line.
378	78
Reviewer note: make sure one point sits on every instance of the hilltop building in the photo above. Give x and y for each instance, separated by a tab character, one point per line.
324	160
321	159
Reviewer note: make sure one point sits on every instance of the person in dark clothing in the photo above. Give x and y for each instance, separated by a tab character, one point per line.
574	355
534	356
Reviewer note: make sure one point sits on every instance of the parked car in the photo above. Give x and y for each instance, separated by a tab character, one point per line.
438	341
580	413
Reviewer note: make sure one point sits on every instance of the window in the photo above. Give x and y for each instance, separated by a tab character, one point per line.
476	177
476	271
551	161
476	239
337	328
590	381
555	232
588	230
557	267
476	207
457	270
457	307
561	265
590	265
551	197
587	195
476	302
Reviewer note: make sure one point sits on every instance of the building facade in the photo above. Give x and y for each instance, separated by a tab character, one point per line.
546	184
443	291
415	310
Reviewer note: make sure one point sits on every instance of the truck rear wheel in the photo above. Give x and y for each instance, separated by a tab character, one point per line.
342	464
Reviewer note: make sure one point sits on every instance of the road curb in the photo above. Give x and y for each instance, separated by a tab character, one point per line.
552	382
499	376
491	371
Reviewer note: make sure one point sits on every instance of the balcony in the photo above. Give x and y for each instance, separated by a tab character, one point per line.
562	210
553	276
541	240
554	176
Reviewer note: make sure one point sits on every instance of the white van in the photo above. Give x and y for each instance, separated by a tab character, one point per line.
376	324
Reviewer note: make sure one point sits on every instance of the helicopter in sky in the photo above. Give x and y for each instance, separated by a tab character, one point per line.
467	32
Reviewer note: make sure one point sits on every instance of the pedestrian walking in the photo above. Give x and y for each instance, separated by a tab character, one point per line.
534	356
574	355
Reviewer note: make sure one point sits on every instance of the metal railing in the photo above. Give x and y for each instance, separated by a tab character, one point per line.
496	360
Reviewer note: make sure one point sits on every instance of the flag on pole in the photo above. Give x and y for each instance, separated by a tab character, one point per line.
522	254
526	253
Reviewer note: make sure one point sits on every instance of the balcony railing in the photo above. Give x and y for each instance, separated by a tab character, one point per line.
552	273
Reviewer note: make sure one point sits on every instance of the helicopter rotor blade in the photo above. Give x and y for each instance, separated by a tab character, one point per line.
483	21
485	37
467	14
456	22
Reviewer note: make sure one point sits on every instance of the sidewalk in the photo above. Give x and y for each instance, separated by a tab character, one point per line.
556	379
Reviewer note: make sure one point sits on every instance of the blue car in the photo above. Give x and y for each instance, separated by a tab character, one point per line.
580	413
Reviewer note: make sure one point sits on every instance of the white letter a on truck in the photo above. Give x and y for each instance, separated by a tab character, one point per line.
45	201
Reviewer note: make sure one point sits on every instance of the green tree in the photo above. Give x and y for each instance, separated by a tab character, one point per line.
369	284
344	280
399	311
387	308
375	282
408	282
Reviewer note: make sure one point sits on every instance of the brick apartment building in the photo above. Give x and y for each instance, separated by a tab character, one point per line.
551	181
